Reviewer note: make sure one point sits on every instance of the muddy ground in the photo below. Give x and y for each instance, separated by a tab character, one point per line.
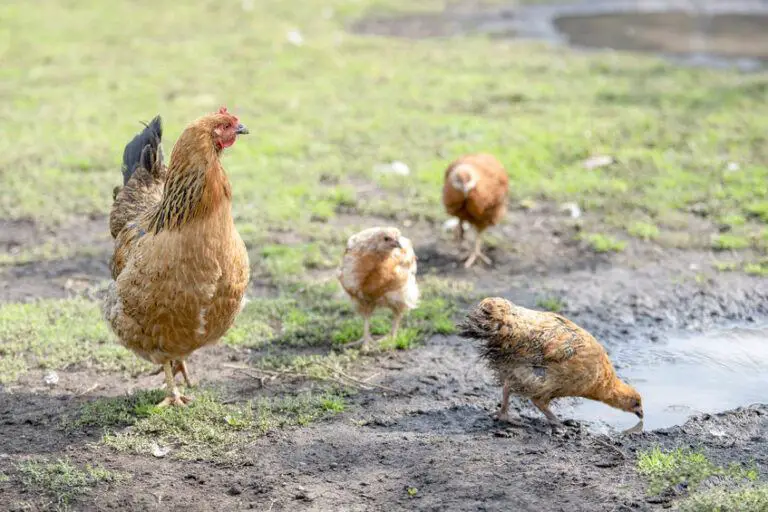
437	434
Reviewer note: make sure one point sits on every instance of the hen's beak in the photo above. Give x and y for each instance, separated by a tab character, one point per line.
241	129
639	414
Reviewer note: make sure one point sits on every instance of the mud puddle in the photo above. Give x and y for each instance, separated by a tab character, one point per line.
685	376
714	33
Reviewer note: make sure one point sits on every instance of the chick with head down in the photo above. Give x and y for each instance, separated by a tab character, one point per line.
544	356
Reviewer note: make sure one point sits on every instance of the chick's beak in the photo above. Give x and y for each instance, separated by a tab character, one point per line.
241	129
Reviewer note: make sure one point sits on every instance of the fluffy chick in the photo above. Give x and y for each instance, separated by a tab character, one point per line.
475	191
543	356
379	270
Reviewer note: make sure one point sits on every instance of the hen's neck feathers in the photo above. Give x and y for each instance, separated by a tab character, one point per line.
196	184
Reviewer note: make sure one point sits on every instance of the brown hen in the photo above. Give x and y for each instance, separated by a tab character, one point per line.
475	191
179	268
543	356
379	270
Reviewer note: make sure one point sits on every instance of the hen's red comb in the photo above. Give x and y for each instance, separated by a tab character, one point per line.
223	110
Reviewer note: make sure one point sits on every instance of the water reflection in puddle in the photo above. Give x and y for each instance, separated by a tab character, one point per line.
691	374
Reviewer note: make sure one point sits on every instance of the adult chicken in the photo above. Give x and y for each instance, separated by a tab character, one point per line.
179	268
543	356
475	190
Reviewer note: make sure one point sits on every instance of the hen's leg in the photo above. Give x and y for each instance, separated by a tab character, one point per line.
543	406
477	253
173	397
181	366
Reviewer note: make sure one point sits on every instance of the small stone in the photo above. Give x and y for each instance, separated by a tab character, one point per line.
160	452
234	491
295	38
395	167
598	161
51	378
572	209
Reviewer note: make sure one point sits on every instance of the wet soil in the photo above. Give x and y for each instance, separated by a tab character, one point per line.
437	435
713	33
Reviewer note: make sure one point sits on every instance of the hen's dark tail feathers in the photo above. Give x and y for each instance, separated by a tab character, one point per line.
144	150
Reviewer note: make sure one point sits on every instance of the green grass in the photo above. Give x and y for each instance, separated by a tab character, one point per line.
209	430
745	499
322	316
337	106
728	241
666	470
54	334
643	230
62	480
554	304
603	243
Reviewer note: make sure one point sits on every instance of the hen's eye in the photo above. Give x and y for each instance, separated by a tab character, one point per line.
387	238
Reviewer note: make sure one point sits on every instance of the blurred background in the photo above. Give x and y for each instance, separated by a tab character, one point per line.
336	91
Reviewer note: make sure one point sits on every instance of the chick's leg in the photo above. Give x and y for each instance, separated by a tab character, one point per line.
477	253
173	397
398	317
365	342
504	411
543	406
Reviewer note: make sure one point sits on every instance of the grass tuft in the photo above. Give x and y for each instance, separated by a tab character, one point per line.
603	243
667	470
54	334
62	480
209	430
554	304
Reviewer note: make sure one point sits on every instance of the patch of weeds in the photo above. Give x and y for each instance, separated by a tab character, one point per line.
62	480
603	243
681	467
209	430
108	412
745	499
57	333
554	304
726	266
729	241
759	268
434	286
759	209
412	492
406	339
644	231
4	478
288	263
732	220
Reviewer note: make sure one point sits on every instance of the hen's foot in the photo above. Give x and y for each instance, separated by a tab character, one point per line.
175	401
473	258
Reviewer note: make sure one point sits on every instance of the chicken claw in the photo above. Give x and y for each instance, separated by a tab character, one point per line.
173	397
175	400
477	253
366	341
